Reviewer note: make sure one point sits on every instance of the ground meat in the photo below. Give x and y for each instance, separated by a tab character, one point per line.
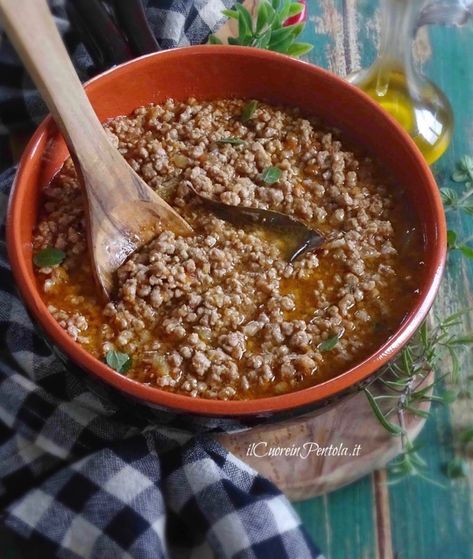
221	314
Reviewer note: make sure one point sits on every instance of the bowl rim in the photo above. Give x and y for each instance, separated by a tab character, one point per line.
201	406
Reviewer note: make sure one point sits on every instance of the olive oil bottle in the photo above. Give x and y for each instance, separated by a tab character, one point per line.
392	81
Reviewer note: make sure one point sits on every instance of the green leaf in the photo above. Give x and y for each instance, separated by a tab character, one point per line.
392	428
466	251
262	41
299	49
451	239
233	41
459	176
449	196
120	362
466	164
449	396
233	14
232	140
281	35
49	256
271	175
295	8
328	344
283	12
262	17
461	340
248	111
457	468
466	437
245	23
213	40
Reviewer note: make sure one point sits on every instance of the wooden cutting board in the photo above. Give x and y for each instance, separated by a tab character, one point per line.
347	424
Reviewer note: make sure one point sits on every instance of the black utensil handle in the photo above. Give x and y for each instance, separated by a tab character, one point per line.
98	26
132	19
79	26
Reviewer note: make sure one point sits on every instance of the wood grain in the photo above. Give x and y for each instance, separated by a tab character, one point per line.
349	423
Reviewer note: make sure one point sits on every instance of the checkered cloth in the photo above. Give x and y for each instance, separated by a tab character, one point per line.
84	473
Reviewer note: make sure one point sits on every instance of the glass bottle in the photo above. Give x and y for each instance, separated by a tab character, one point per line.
394	82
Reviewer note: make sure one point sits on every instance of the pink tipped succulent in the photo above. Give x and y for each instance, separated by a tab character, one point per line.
300	17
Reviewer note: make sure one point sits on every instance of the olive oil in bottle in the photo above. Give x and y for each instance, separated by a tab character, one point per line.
392	81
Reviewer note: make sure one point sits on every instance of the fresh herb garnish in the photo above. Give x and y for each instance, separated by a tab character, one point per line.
271	175
464	170
460	200
268	29
120	362
466	437
232	140
49	256
457	468
454	244
248	111
329	343
405	385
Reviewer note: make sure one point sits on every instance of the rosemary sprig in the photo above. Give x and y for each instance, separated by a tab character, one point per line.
460	201
405	384
268	29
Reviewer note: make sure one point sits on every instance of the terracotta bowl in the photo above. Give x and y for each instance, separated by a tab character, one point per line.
208	72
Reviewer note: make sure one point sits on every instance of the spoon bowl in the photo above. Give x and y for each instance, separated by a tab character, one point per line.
298	238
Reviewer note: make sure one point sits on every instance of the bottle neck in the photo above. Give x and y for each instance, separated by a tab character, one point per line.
398	25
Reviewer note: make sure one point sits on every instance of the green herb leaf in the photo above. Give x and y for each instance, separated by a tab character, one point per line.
271	175
449	396
262	17
451	239
459	176
466	251
466	437
295	8
280	36
457	468
283	12
328	344
267	29
299	49
232	140
120	362
449	196
461	340
232	14
245	23
248	111
213	40
393	428
262	41
49	256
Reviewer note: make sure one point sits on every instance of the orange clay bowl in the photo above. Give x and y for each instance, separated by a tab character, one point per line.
211	72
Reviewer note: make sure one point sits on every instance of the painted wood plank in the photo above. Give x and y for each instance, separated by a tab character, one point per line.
448	509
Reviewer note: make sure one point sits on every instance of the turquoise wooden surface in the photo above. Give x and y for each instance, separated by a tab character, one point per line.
413	519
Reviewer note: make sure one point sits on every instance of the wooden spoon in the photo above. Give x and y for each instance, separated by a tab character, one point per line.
123	212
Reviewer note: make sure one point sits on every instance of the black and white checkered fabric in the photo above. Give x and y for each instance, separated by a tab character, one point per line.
81	474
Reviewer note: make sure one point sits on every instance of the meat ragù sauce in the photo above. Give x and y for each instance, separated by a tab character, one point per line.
221	314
